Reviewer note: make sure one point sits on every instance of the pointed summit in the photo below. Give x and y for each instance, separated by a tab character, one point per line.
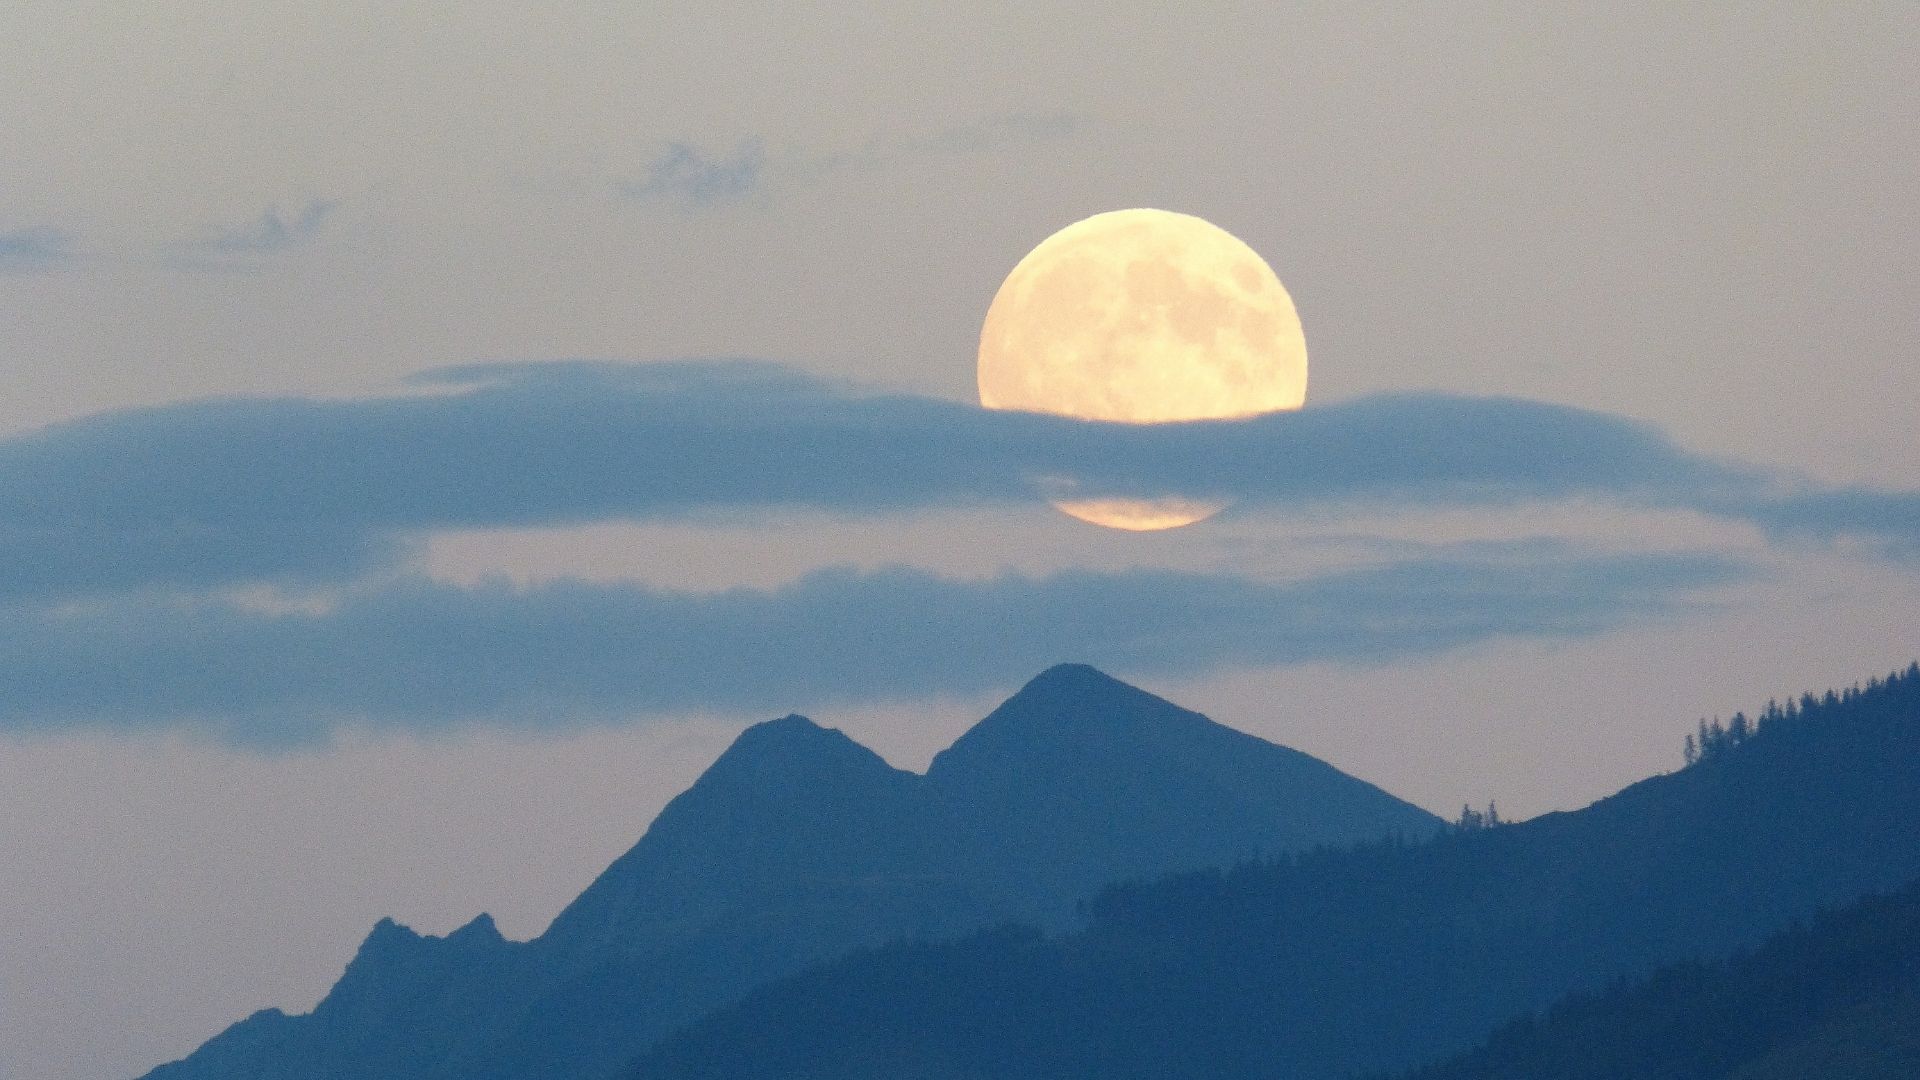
792	752
397	966
790	801
387	938
480	930
1071	675
390	942
1068	709
1068	684
789	734
1103	780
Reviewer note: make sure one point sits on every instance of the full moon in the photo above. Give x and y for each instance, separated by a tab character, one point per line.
1142	316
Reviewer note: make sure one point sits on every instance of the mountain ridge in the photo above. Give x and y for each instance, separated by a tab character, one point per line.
1371	958
797	845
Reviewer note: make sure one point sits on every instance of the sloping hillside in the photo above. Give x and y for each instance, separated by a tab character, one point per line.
1376	958
1837	998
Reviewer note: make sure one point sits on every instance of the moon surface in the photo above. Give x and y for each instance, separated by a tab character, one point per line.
1142	316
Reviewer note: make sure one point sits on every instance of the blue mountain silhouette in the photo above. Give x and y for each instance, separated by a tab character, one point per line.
799	845
1380	957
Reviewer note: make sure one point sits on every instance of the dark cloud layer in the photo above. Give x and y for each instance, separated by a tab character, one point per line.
306	491
422	655
1888	520
321	490
123	535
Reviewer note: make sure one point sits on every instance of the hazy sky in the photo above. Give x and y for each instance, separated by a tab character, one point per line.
323	631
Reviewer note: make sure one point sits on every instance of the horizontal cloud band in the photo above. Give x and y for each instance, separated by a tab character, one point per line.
291	490
424	655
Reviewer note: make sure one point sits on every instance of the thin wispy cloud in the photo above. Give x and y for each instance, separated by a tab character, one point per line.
686	174
419	655
204	494
36	248
272	232
692	175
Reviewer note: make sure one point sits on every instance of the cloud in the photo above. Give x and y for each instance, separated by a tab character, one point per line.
686	174
420	655
233	491
36	248
1887	520
273	231
690	175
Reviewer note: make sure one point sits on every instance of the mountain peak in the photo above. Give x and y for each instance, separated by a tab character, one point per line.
790	758
387	948
388	935
791	729
390	940
792	744
1076	681
480	929
1067	708
788	792
797	845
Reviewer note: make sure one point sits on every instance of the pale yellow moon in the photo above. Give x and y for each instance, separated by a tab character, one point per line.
1143	316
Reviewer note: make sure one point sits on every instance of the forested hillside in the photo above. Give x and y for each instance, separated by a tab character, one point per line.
1380	957
1837	998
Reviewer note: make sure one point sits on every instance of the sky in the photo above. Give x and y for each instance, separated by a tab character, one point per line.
427	438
